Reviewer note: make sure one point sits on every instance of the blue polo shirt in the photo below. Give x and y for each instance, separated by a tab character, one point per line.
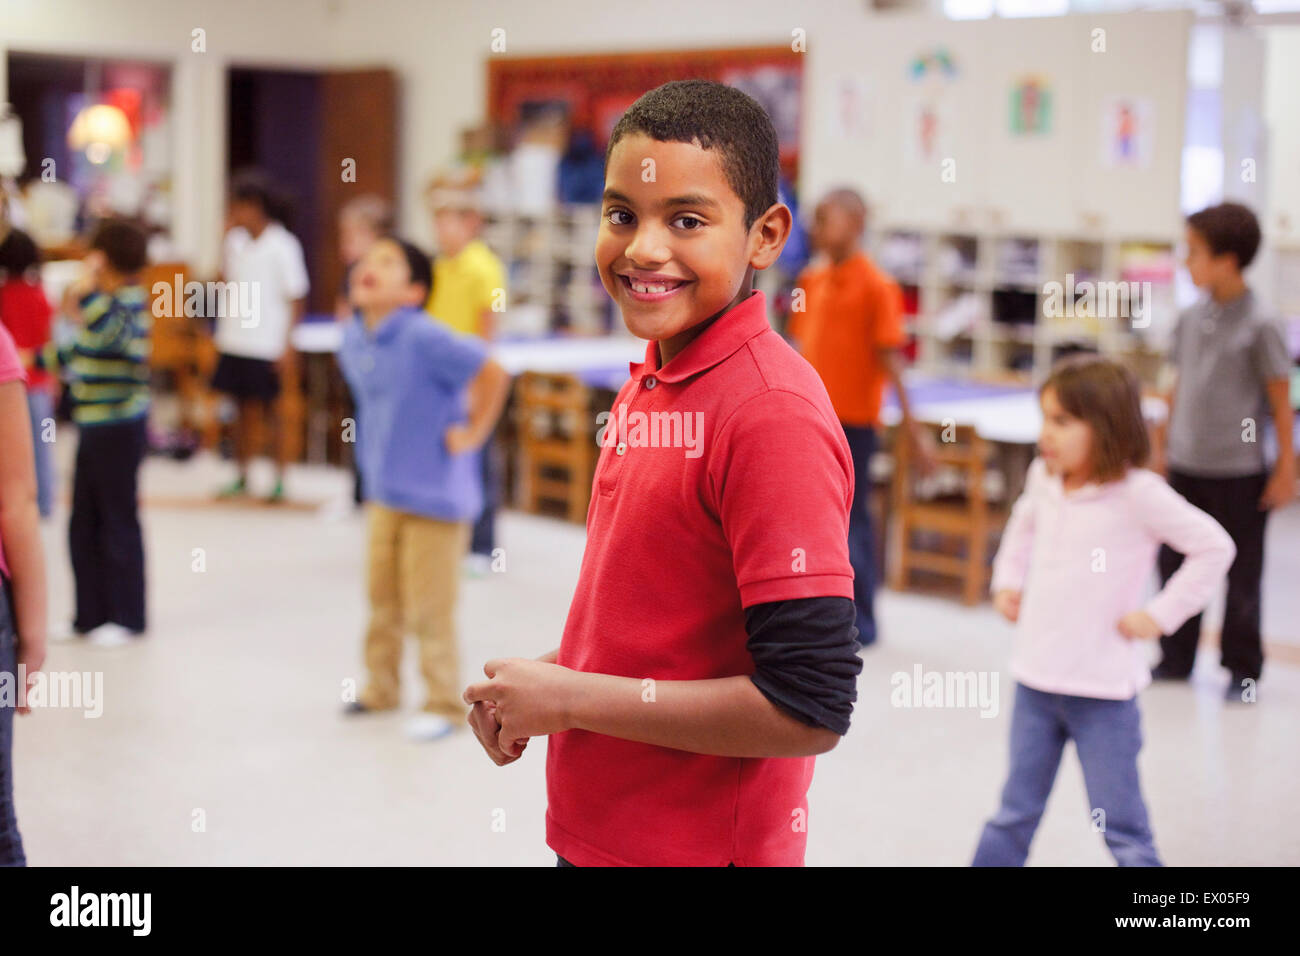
408	378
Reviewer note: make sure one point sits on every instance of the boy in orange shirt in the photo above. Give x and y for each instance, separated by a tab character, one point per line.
850	330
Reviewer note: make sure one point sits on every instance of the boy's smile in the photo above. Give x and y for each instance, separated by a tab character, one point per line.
673	251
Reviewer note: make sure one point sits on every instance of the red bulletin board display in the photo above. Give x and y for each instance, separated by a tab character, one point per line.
595	90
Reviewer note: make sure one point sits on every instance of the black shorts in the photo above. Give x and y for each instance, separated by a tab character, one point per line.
245	377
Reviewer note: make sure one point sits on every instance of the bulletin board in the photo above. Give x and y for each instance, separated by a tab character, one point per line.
594	91
1038	125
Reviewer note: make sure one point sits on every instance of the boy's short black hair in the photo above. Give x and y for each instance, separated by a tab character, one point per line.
18	253
255	186
714	116
417	261
1228	227
123	243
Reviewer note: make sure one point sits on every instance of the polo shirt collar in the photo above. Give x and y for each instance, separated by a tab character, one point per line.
719	341
387	327
1241	305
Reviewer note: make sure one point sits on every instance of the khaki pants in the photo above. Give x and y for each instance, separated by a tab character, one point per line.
414	574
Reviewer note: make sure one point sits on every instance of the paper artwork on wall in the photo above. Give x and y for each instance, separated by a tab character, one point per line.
1031	106
1127	132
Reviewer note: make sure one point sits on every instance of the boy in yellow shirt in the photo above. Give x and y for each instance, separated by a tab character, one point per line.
468	293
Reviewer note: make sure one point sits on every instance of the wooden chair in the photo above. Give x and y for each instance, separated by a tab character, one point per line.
947	533
176	344
556	447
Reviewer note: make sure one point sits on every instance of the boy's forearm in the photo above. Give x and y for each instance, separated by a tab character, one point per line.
550	657
724	717
1279	393
894	372
487	399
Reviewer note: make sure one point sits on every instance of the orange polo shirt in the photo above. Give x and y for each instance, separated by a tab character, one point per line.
851	311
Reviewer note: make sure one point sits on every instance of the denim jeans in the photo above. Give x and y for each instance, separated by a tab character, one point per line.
862	541
40	406
11	843
1107	735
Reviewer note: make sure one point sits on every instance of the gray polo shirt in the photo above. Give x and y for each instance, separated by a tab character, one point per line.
1224	355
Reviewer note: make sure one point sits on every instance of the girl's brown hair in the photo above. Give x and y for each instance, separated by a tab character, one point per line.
1107	396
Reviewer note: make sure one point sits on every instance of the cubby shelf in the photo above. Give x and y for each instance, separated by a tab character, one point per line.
982	299
551	271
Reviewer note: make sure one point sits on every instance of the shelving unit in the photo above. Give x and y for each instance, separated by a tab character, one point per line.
982	299
551	270
1286	280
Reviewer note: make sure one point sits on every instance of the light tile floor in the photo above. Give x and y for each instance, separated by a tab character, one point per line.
228	715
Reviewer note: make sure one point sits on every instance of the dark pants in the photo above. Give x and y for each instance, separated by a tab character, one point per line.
1234	503
1107	735
862	540
483	538
104	531
11	842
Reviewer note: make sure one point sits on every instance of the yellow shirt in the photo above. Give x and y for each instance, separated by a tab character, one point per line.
464	285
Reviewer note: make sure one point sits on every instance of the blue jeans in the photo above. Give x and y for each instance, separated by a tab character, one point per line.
40	406
1107	735
862	541
11	843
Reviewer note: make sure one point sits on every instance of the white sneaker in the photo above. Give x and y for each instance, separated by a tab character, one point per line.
109	635
477	565
428	727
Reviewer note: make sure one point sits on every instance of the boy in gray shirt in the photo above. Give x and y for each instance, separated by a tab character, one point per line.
1233	373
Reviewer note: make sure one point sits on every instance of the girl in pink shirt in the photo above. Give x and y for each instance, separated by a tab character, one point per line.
1076	558
22	579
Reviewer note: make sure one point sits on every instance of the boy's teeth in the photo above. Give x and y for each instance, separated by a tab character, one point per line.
651	286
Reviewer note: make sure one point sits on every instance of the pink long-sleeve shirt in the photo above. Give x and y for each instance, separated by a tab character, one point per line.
1083	559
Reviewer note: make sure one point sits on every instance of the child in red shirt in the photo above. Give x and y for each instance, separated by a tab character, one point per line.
26	313
710	649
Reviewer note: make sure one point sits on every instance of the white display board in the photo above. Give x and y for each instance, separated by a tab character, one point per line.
1055	125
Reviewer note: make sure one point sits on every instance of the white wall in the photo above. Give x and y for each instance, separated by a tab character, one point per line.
1282	116
439	48
1051	183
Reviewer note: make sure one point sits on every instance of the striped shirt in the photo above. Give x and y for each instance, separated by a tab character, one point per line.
109	361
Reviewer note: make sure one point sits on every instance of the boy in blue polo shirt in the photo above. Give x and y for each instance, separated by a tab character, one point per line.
426	398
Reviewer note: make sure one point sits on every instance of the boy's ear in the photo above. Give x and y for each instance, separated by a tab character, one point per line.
417	293
771	229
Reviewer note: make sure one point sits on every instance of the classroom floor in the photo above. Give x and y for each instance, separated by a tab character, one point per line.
221	739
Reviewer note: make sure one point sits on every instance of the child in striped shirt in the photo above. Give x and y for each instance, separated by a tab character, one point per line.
108	368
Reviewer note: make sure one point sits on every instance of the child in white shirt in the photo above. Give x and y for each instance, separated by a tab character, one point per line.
267	286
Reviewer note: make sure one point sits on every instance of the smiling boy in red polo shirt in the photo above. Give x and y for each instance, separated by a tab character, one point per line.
710	651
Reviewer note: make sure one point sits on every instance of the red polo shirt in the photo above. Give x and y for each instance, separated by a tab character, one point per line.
724	481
